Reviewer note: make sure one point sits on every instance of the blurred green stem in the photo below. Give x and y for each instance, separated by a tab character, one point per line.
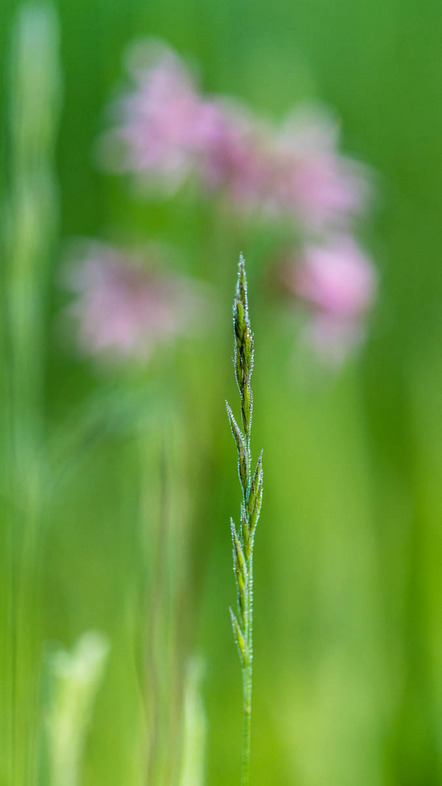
30	217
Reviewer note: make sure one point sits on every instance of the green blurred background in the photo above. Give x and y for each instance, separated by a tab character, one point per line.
136	476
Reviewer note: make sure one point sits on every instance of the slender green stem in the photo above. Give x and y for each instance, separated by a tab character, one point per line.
247	672
247	676
247	710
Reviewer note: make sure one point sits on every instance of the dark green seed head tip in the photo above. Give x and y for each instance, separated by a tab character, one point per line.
240	323
241	288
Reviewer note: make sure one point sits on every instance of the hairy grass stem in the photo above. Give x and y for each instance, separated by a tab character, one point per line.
251	483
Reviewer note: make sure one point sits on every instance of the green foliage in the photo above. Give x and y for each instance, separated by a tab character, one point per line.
349	678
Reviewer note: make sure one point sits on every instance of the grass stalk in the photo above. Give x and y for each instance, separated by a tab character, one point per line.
29	218
243	537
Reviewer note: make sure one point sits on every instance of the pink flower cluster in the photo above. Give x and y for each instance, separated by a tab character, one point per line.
167	131
124	307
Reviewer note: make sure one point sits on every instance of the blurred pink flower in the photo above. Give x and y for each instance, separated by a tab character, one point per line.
333	339
125	307
230	155
336	278
166	130
156	122
311	180
338	282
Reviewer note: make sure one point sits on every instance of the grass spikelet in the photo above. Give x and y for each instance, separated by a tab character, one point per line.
251	487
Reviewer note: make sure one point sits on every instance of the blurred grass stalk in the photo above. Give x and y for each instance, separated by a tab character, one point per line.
73	679
165	521
29	219
195	728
